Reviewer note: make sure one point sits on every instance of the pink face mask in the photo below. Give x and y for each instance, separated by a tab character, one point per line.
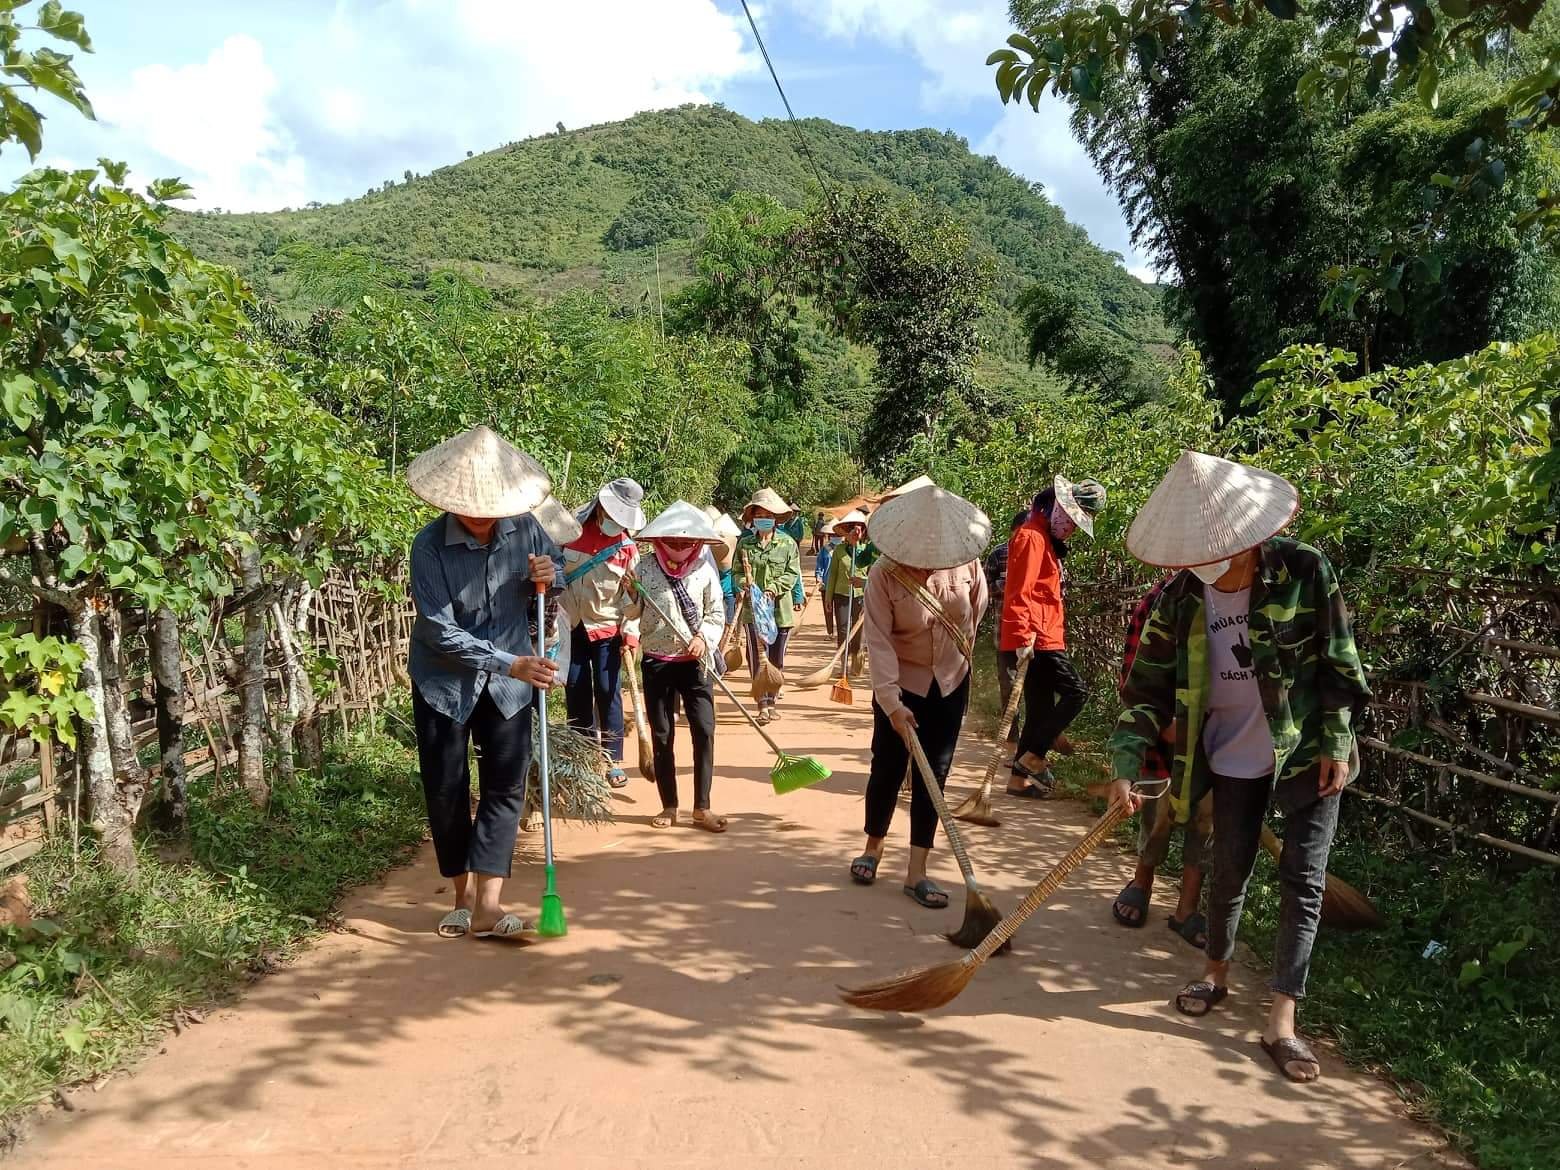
675	559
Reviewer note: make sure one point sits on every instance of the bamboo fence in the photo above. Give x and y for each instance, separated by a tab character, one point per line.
359	631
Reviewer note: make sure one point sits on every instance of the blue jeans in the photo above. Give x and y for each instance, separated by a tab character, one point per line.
592	693
1239	808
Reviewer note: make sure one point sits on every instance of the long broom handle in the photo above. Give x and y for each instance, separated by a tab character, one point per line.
1049	884
1008	714
541	710
758	727
641	727
955	842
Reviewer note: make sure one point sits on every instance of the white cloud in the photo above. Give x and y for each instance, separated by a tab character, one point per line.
215	122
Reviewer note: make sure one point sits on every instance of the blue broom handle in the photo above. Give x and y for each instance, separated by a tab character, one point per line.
541	709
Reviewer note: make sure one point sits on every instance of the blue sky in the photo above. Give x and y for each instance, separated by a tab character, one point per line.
270	104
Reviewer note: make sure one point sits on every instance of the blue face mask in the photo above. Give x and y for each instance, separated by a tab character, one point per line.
764	524
834	542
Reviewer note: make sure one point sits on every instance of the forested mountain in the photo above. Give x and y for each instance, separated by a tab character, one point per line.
583	207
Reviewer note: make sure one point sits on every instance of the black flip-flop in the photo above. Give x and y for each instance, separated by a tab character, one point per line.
1191	927
926	891
1292	1050
867	862
1210	995
1133	898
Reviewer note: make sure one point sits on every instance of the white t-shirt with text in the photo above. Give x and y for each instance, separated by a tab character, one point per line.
1235	733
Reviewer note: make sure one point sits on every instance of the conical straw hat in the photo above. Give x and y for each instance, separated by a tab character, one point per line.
769	500
478	474
557	521
681	521
853	517
1206	509
915	484
725	527
930	528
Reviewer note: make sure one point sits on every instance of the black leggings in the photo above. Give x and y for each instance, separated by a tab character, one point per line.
665	683
938	719
487	845
1053	696
775	652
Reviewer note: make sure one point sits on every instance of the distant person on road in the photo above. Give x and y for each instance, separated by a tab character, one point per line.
594	565
680	634
845	590
924	602
1250	654
1033	617
824	541
770	560
476	573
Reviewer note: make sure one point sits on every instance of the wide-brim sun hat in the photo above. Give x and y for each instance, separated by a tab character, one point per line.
479	474
682	521
930	528
557	521
769	500
1081	501
1208	509
621	501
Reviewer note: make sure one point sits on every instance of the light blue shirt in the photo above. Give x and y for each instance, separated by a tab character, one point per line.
474	604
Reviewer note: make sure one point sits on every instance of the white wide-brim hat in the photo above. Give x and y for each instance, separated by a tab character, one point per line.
479	474
557	521
682	521
620	500
769	500
1067	496
930	528
1207	509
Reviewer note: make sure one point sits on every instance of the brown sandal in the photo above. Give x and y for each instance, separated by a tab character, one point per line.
710	824
1291	1050
664	819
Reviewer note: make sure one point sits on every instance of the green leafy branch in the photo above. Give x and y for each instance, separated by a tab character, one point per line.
41	70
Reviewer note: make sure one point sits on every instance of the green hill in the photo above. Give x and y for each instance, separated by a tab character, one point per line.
584	207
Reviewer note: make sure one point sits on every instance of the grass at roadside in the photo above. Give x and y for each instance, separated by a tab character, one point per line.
111	960
1469	1031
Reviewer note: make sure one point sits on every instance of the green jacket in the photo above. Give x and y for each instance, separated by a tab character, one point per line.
777	567
847	562
1313	686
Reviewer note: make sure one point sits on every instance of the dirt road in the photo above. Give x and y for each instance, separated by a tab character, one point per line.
689	1018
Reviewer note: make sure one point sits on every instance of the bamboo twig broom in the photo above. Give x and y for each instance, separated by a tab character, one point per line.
641	723
789	772
824	673
980	914
1343	906
976	808
931	987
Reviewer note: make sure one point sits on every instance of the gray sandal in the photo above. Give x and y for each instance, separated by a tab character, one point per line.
926	892
455	924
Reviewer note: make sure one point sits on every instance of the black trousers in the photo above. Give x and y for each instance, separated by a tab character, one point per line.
841	627
938	720
665	683
1053	696
486	845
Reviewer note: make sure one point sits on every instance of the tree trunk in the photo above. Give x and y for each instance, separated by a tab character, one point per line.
297	694
162	638
105	814
251	686
129	775
310	741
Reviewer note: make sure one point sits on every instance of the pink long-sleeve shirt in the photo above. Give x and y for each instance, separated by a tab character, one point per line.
908	647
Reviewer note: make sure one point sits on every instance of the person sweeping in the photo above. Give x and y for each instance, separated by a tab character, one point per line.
477	574
825	540
847	582
681	618
1250	654
924	600
1033	619
769	559
594	565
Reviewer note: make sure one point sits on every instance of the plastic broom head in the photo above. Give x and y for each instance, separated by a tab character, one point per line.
793	772
552	923
841	693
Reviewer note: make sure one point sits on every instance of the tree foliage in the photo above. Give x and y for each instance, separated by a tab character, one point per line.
42	70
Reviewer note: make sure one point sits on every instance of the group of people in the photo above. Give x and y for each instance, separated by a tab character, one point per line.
1241	685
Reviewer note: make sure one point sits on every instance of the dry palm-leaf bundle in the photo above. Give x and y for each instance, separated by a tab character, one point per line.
578	774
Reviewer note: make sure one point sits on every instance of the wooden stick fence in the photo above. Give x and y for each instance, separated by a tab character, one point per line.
363	632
